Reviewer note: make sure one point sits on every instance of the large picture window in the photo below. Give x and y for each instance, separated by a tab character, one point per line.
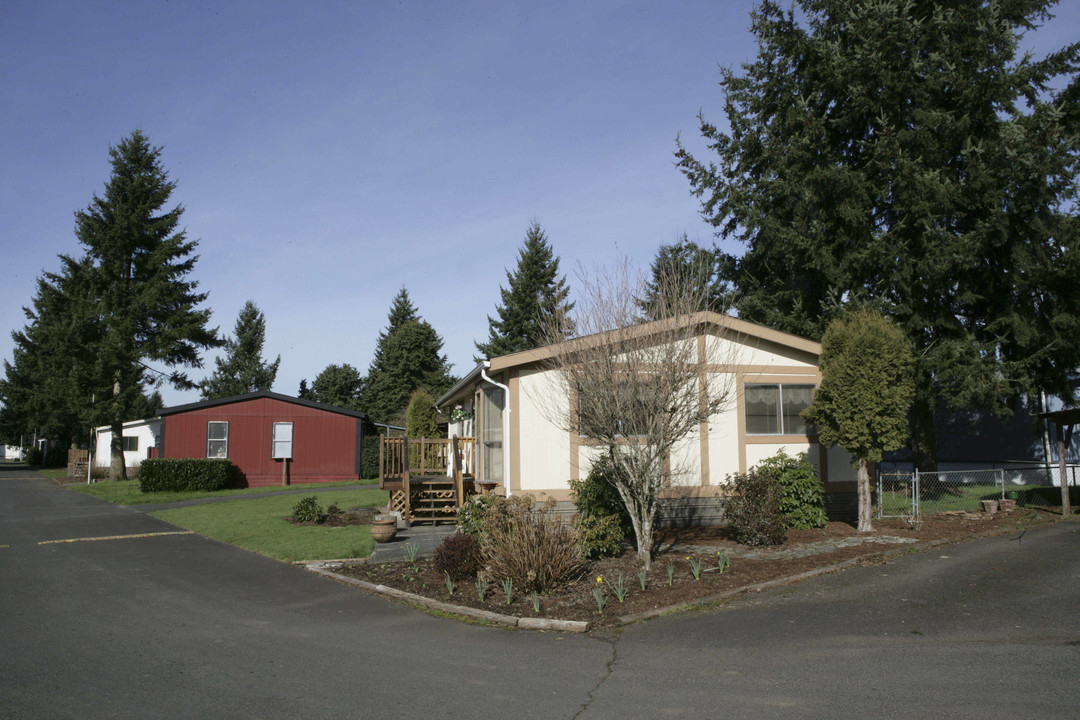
217	439
776	409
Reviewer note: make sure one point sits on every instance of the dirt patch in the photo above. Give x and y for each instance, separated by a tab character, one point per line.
803	551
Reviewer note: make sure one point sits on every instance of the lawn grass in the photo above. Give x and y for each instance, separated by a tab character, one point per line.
54	473
262	525
966	498
126	492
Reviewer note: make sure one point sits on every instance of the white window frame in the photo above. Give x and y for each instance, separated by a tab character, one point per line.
276	441
210	439
126	440
780	425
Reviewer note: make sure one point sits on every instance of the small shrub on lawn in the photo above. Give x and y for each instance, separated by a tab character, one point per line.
458	556
754	513
185	474
599	535
528	544
471	514
333	509
307	510
802	497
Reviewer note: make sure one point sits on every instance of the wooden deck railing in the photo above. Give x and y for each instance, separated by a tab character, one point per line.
405	460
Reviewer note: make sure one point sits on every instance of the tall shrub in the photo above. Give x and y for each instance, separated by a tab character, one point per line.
528	544
802	497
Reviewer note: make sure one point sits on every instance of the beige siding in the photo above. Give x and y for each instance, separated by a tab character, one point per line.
724	445
755	352
543	447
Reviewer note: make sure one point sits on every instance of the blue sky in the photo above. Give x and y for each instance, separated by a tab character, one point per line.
328	153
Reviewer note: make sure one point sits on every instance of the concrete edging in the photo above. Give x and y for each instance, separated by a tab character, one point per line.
486	615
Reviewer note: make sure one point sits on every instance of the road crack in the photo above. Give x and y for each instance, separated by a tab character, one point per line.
609	668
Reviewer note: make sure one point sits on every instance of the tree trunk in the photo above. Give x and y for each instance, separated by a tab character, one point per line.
644	541
865	496
117	467
923	439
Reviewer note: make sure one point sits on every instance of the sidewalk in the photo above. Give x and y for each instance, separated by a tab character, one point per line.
426	537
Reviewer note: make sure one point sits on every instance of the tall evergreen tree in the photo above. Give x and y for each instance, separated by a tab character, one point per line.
535	291
147	307
49	383
697	267
243	369
337	385
901	153
408	356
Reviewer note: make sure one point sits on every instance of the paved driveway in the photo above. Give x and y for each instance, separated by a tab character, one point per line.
175	625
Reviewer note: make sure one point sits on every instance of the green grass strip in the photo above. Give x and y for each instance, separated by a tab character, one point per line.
126	492
262	525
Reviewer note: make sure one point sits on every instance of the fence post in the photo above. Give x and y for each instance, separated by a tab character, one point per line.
880	496
916	491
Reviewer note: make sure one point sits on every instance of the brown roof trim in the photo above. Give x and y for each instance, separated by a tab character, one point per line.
723	323
256	395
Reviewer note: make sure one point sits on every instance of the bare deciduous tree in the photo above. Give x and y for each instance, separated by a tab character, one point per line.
638	379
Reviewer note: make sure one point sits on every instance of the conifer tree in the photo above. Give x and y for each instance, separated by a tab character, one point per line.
421	418
337	385
699	269
146	305
535	291
49	384
903	153
408	356
866	390
243	369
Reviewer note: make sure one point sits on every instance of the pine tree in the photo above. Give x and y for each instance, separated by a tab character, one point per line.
243	369
337	385
900	153
408	356
535	292
147	307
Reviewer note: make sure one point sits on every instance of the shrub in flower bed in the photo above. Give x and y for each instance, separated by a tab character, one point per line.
802	497
754	513
528	544
471	514
458	556
599	535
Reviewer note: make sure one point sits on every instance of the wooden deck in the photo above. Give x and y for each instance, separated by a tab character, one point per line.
428	478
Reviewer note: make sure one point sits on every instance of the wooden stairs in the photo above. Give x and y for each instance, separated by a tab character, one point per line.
428	478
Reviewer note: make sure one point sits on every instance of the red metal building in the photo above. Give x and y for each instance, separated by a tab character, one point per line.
268	436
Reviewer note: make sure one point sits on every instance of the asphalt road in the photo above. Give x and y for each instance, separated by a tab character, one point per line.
177	626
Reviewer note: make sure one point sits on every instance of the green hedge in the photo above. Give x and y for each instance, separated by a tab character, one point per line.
180	474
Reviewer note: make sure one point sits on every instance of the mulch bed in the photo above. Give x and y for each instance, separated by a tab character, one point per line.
358	516
574	600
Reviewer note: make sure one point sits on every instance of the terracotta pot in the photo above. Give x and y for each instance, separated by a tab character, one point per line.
990	506
383	530
1007	505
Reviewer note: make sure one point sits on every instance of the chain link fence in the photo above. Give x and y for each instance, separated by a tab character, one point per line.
914	494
